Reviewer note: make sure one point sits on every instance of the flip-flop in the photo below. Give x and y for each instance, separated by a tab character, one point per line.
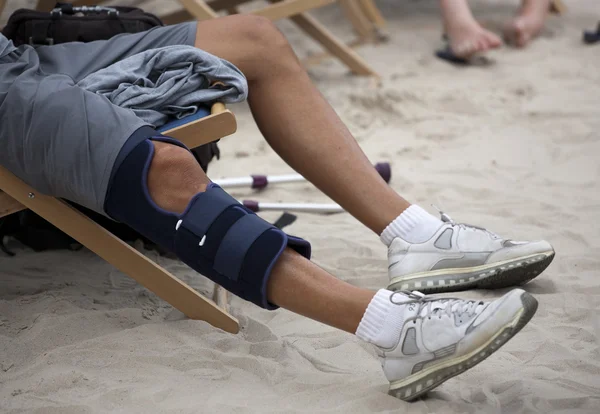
448	55
591	37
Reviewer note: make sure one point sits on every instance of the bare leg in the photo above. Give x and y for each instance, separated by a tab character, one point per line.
466	36
381	319
295	284
297	121
529	22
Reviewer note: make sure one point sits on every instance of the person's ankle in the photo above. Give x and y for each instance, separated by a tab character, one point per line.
382	321
457	18
414	225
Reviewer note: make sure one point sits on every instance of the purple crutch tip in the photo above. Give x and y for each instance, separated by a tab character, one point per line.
251	205
259	181
384	169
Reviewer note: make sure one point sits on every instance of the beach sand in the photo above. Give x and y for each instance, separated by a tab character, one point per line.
513	147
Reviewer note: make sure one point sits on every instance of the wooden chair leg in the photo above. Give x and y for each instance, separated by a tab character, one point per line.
362	25
119	254
221	297
373	13
336	47
2	4
199	9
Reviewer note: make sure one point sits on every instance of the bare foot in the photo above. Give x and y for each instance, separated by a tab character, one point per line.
466	36
528	24
466	41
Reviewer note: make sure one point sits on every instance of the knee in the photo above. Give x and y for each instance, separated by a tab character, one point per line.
265	44
174	176
262	31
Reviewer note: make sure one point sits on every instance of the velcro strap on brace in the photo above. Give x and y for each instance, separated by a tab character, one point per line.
231	245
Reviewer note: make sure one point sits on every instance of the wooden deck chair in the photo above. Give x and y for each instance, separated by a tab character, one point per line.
206	126
278	9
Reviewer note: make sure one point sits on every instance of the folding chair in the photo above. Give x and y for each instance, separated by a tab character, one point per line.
279	9
201	128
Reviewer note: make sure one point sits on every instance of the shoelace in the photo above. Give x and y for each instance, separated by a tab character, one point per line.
447	219
427	309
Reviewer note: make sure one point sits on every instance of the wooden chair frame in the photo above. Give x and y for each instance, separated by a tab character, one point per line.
15	196
278	9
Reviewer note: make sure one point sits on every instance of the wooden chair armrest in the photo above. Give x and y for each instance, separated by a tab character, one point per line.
220	123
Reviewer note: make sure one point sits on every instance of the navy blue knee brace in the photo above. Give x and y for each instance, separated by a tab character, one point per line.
216	235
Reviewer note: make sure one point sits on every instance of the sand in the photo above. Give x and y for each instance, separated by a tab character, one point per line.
513	147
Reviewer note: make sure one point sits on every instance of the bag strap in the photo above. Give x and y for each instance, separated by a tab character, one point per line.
39	34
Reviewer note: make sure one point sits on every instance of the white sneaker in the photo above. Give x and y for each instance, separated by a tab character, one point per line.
443	337
460	256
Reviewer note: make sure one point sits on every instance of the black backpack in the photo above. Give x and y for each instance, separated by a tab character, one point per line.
76	24
66	23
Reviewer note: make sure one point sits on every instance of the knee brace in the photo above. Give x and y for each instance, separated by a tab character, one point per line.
216	235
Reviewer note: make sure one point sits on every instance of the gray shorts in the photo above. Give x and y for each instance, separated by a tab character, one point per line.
57	137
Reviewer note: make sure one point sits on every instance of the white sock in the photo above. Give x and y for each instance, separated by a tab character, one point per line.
414	225
382	322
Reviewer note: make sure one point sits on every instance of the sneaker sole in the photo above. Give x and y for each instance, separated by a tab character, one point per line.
513	272
409	390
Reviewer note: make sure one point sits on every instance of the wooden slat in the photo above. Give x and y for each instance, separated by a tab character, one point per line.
372	12
205	130
199	9
336	47
9	205
353	11
288	8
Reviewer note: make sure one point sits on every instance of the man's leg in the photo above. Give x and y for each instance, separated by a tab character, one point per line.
405	328
528	23
297	121
306	132
174	178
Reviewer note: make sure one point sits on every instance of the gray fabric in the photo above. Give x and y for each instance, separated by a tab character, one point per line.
6	46
54	135
445	240
169	82
409	347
